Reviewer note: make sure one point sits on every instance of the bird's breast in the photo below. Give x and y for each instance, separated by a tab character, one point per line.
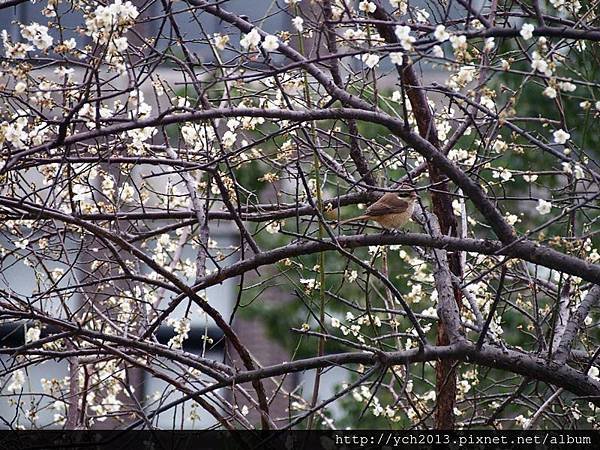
396	220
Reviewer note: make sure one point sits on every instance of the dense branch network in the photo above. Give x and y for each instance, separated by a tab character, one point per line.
150	156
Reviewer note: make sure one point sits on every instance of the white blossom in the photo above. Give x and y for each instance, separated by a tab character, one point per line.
543	207
127	192
522	421
274	227
220	41
181	327
105	21
539	64
15	51
21	244
298	23
17	381
437	51
351	276
458	42
421	15
310	284
38	35
119	44
566	86
370	59
33	334
20	87
441	34
403	34
367	6
401	5
229	139
271	43
527	31
396	58
251	40
70	44
561	136
464	76
549	92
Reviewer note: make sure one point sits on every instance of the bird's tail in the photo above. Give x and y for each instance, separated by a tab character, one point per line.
353	219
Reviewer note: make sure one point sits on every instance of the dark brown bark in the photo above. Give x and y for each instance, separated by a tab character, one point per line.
442	208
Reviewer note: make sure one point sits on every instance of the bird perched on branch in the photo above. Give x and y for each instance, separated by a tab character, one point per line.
392	210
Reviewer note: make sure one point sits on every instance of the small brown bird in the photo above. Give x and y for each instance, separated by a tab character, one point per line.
392	210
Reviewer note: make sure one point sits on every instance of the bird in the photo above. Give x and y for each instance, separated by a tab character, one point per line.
392	210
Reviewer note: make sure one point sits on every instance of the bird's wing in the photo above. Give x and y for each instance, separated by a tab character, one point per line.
381	208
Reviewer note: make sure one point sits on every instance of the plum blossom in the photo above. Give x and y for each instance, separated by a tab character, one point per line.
566	86
396	58
458	42
539	64
370	59
20	87
15	51
181	327
522	421
271	43
401	5
229	139
14	132
274	227
437	51
220	41
119	44
421	15
464	76
441	34
17	381
549	92
108	20
543	207
359	36
251	40
310	284
70	44
527	31
38	35
351	276
366	6
561	136
298	23
127	193
32	334
529	177
403	34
